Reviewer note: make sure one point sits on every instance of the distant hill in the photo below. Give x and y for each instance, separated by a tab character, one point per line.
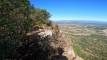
82	22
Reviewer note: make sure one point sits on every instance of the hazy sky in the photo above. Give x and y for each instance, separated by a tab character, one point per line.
74	9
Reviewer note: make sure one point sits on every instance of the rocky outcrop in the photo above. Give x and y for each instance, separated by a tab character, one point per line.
42	44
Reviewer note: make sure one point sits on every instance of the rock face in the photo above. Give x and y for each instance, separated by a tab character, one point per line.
42	44
67	45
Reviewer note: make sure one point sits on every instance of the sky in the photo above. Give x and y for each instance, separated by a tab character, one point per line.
74	9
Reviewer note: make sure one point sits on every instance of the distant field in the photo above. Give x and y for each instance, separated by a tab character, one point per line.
89	42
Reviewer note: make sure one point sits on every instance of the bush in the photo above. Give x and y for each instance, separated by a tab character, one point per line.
14	23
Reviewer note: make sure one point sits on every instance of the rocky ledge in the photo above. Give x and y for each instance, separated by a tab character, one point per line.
42	44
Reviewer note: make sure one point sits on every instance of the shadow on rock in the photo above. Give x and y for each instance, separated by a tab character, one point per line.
60	55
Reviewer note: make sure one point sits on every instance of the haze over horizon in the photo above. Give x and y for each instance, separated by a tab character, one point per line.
74	9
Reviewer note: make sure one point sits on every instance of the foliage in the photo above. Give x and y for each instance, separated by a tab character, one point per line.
39	16
14	23
17	17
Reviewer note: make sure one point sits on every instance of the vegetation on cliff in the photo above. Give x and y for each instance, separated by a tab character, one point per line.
17	18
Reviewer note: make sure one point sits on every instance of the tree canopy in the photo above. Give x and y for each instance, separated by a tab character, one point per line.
17	17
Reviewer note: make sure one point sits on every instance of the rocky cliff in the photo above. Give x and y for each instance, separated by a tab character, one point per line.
42	44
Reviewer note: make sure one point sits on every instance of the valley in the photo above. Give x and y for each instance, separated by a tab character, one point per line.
88	41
